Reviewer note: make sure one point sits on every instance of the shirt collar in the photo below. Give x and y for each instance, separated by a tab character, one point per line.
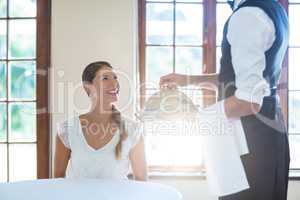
237	3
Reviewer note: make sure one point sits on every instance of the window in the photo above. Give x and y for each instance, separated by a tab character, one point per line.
294	84
24	126
173	43
184	36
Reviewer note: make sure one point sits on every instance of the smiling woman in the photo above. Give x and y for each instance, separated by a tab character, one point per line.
101	143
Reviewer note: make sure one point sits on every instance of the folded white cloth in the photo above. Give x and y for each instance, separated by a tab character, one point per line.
224	143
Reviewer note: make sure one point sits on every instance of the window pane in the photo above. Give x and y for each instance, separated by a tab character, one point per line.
22	80
22	122
22	39
294	68
294	112
294	16
3	8
22	8
223	13
163	140
295	151
3	163
189	24
22	162
3	122
159	62
189	60
159	23
3	37
2	80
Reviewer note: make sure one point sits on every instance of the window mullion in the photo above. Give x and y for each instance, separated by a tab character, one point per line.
174	36
43	135
209	36
209	46
142	50
7	91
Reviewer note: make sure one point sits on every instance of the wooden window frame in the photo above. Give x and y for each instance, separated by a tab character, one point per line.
284	93
209	60
43	65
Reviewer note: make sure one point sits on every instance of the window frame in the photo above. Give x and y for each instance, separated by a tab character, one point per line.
43	64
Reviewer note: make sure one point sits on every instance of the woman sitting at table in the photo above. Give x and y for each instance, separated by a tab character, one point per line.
100	143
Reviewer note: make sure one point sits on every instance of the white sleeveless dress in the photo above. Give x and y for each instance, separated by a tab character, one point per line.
87	162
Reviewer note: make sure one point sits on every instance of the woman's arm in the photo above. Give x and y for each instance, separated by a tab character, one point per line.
62	156
138	161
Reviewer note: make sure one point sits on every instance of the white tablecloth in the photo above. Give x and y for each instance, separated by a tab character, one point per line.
86	189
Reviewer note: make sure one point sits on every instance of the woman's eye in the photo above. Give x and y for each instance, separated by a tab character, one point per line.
115	77
104	78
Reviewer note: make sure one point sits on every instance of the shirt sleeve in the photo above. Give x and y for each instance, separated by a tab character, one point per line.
62	132
250	33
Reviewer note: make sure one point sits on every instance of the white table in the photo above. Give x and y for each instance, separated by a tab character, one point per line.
86	189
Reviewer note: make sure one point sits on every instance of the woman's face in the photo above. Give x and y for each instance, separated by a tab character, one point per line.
105	86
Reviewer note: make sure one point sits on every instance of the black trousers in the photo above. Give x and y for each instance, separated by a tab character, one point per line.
267	165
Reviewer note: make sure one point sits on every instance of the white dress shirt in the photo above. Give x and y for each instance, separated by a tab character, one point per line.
251	33
238	2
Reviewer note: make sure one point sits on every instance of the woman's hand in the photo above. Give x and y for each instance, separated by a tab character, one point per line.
173	80
138	161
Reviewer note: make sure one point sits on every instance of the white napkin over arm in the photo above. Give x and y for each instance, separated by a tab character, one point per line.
224	142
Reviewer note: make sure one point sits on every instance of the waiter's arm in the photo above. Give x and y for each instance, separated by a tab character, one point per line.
207	81
250	33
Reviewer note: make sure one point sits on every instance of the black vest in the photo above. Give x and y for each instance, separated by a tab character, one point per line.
274	56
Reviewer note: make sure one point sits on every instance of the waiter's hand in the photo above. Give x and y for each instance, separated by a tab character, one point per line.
173	80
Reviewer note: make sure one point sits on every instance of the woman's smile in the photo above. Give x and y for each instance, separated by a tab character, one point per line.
113	92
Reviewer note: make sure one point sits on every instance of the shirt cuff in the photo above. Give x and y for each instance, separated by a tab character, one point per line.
250	97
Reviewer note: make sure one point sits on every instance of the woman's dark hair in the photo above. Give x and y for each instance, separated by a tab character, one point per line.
90	71
88	75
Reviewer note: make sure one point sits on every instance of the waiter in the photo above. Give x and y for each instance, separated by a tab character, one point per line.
255	40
